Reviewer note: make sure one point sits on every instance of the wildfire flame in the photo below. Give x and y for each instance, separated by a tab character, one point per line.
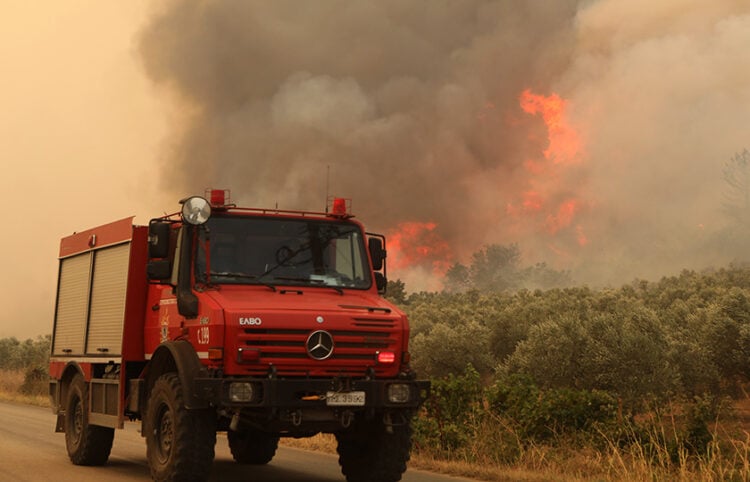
418	244
564	142
548	206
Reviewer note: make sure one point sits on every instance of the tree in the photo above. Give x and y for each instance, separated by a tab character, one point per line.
396	292
15	354
541	276
457	279
737	196
495	268
621	349
10	353
450	348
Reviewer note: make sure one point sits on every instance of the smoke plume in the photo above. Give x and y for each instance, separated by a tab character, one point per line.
416	111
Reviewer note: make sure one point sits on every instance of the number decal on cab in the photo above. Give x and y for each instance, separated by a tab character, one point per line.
203	335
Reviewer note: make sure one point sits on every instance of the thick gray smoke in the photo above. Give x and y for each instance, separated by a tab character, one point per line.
415	107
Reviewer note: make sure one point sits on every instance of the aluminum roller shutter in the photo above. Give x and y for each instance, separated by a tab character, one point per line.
72	305
108	292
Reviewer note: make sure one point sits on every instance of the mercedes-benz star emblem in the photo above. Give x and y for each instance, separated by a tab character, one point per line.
319	345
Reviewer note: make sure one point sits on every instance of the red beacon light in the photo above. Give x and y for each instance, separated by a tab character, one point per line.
218	197
341	207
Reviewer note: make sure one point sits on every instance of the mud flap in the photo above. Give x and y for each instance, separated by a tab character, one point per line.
60	424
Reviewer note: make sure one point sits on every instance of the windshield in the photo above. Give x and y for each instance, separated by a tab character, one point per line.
268	251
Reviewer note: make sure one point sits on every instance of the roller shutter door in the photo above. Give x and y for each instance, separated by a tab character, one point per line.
72	305
108	292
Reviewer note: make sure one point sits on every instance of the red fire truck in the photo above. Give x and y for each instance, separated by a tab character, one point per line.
260	323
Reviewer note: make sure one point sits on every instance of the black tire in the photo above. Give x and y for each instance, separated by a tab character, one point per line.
87	444
179	442
369	453
252	446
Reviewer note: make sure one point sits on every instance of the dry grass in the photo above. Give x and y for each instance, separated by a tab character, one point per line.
725	462
11	382
322	442
490	472
727	459
327	443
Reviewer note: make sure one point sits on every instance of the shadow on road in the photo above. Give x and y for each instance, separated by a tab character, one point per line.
230	471
223	470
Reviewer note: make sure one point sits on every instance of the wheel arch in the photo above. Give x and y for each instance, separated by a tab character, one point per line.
69	372
59	394
179	357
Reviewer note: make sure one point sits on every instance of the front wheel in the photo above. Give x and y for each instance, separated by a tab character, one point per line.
86	444
179	442
375	451
252	446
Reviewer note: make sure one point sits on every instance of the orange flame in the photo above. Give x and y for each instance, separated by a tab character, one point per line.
547	205
564	217
418	244
564	142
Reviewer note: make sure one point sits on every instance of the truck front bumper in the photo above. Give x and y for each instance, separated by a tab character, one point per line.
291	394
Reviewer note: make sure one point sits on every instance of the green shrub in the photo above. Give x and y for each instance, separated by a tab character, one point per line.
621	348
447	349
454	401
35	381
543	415
15	354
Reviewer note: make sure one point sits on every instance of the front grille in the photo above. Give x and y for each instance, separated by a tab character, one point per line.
375	322
354	350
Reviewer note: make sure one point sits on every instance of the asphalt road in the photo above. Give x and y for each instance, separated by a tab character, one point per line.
31	451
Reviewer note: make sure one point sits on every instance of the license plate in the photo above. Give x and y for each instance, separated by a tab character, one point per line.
345	399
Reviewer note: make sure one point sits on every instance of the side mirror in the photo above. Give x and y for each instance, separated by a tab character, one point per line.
158	239
377	253
159	269
381	282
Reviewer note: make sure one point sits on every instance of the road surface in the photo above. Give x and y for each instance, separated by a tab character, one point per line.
31	451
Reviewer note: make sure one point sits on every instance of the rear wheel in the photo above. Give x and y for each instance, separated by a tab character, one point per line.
374	452
87	444
252	446
179	442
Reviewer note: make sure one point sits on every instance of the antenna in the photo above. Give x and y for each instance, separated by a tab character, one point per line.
328	178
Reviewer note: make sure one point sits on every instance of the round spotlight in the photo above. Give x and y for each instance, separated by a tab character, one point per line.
195	210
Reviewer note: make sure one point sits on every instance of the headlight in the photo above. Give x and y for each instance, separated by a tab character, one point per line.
398	393
195	210
241	392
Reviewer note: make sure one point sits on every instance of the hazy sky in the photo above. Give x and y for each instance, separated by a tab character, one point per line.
80	129
418	107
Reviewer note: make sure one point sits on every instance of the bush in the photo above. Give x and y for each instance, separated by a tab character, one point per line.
453	403
35	381
30	357
620	348
446	349
543	415
15	354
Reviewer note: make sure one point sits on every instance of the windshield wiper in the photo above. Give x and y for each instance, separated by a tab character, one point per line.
314	282
230	274
338	290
